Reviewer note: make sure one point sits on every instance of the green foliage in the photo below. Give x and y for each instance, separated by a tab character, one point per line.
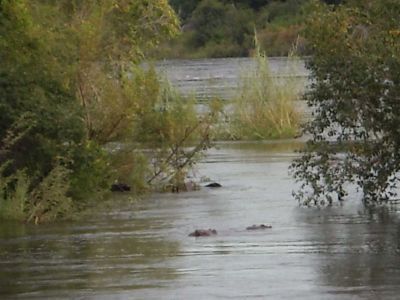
105	38
224	28
13	200
131	165
48	200
221	24
65	93
265	107
39	116
39	200
163	115
92	173
354	95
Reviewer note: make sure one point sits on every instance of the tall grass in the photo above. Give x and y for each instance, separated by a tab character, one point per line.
45	202
49	200
265	107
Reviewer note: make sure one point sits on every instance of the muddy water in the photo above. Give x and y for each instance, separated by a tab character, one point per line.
142	250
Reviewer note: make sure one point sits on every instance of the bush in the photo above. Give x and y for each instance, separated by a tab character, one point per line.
354	96
171	130
48	200
31	199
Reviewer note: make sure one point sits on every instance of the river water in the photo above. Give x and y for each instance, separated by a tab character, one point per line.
221	77
141	249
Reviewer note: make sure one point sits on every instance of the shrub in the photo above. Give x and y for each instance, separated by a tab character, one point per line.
171	130
354	96
265	106
14	194
49	200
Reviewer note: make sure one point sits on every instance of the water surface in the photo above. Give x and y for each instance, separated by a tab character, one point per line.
142	250
221	77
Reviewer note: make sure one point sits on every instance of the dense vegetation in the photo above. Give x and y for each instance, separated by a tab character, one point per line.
76	110
223	28
355	98
78	113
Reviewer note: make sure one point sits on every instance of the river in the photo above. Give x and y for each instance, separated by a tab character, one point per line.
141	249
221	77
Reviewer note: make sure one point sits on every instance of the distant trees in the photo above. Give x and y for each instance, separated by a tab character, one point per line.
222	28
218	28
355	99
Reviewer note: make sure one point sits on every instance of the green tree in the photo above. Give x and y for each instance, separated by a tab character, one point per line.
65	92
105	39
40	125
35	105
221	29
225	28
354	96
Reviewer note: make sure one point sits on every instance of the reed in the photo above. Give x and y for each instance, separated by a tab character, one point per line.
265	107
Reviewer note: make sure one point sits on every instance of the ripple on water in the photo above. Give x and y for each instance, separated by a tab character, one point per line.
142	251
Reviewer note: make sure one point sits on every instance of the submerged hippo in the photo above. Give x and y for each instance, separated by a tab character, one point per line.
203	232
214	185
257	227
120	187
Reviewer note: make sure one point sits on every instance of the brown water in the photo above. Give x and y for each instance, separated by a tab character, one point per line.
142	250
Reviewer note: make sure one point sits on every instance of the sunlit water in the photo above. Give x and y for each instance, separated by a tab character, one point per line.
142	250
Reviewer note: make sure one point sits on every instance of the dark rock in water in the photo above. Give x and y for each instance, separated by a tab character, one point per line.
257	227
298	135
203	232
214	185
120	187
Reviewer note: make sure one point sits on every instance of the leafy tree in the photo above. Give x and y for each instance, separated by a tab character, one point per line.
65	92
39	116
222	28
354	96
105	39
42	136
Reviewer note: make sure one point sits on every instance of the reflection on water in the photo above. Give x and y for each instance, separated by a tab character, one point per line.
109	255
143	251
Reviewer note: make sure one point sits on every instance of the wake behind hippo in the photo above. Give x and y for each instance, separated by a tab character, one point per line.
203	232
258	227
